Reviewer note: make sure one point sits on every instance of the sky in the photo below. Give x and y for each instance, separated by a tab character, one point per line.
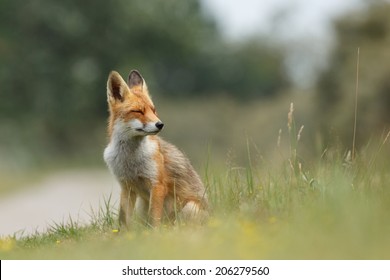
304	25
239	18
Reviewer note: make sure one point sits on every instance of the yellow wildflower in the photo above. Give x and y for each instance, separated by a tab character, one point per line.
7	244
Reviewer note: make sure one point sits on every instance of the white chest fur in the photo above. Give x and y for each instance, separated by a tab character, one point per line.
131	159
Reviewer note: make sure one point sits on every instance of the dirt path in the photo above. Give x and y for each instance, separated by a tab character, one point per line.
56	198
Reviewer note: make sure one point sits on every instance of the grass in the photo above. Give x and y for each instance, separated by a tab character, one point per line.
332	207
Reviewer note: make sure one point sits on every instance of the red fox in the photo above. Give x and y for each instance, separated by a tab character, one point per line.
156	179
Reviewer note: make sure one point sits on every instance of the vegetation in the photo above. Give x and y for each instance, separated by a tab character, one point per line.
334	209
369	31
56	57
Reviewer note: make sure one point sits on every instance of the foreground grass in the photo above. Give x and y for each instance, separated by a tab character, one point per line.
334	210
331	208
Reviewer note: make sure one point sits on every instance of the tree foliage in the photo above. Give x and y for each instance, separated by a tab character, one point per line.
56	55
368	30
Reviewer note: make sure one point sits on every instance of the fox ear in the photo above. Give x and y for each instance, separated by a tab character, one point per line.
135	80
137	84
116	87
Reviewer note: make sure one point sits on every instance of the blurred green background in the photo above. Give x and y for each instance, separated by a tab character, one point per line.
277	190
214	95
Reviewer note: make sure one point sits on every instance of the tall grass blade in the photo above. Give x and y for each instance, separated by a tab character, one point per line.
356	106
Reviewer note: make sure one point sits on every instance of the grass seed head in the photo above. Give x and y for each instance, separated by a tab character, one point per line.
290	117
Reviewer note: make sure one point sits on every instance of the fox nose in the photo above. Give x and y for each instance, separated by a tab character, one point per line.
159	125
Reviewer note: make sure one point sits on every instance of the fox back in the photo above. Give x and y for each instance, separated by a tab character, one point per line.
156	178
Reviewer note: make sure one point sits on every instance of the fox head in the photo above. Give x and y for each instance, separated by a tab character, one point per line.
132	112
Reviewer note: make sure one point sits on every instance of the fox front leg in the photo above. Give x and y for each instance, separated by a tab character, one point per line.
127	203
156	204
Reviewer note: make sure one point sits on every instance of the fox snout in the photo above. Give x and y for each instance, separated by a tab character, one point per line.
148	128
159	125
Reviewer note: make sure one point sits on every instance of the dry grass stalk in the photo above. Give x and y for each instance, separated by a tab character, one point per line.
356	104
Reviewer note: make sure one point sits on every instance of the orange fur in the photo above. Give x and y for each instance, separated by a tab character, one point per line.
157	180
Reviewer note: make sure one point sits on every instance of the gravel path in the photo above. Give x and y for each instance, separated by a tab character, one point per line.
56	198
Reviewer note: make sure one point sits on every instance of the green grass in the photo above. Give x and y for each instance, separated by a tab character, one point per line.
334	210
327	208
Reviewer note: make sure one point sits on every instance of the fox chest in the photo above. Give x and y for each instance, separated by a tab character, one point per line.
133	164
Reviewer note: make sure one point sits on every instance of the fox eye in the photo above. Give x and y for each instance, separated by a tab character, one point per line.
137	111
